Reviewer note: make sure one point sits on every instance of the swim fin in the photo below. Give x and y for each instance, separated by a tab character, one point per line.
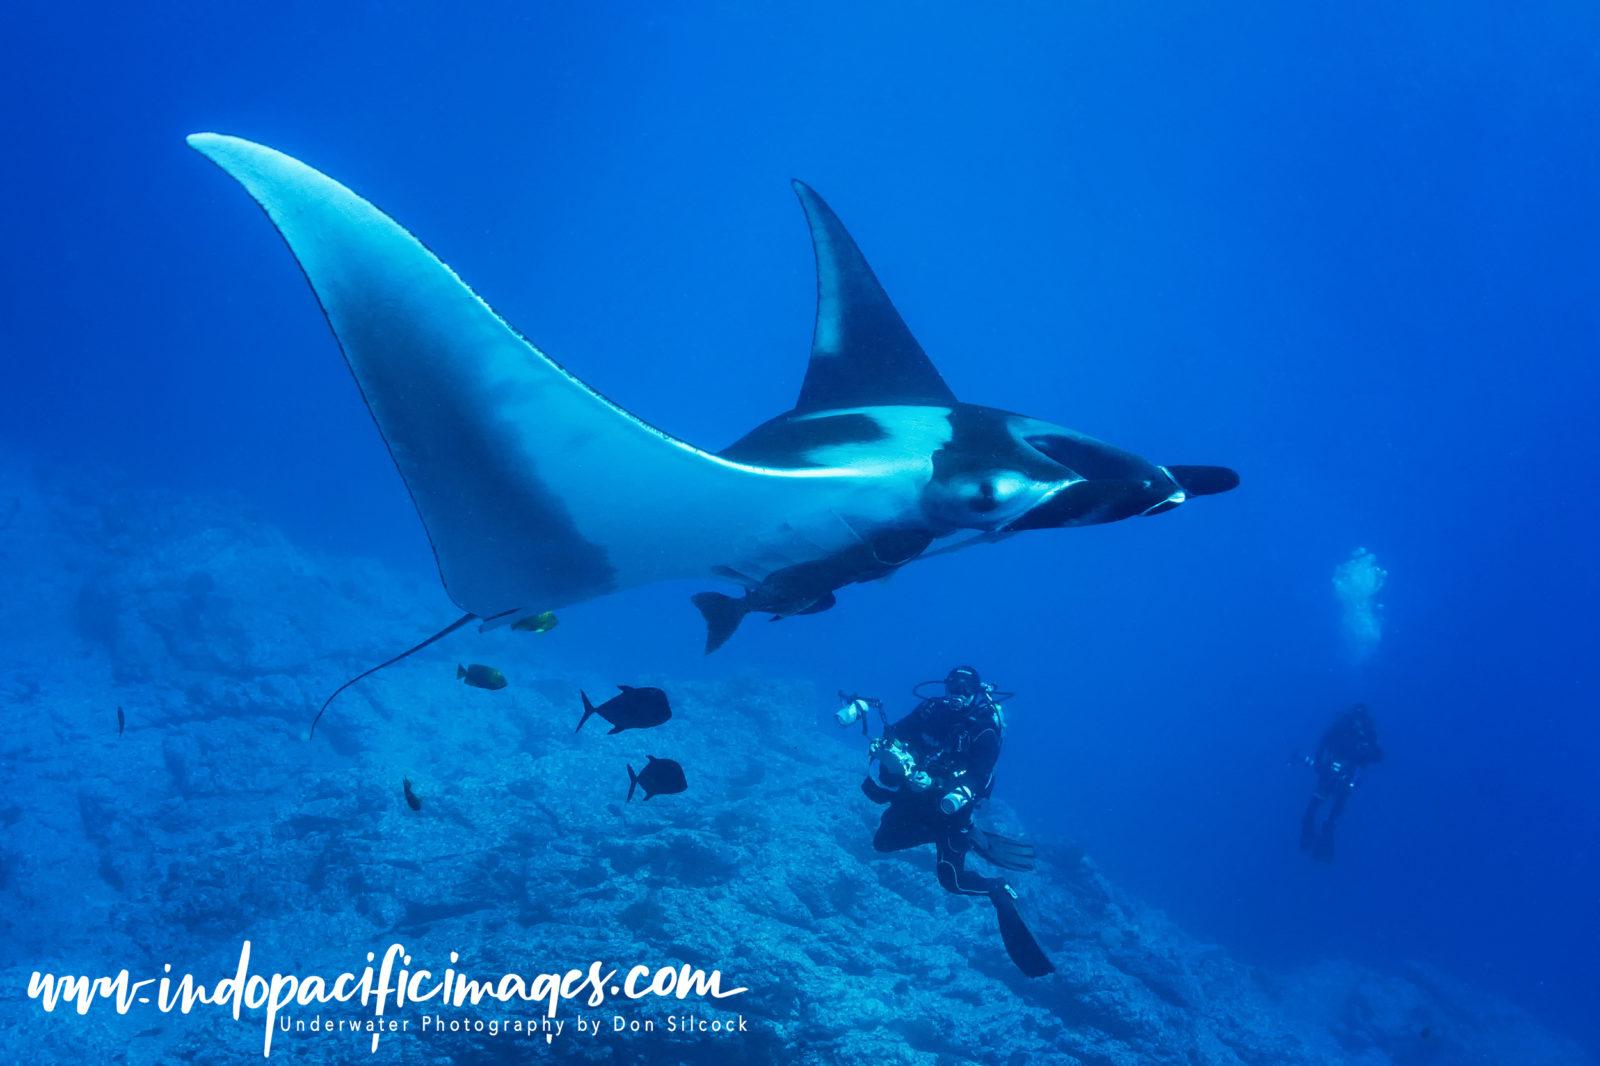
1004	852
1020	944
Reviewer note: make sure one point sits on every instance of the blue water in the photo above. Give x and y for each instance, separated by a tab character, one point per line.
1354	254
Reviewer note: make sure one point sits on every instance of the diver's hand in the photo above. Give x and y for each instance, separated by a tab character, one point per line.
918	781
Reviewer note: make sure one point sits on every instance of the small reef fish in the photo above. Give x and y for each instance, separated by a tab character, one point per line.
539	623
633	708
660	777
479	676
122	721
413	800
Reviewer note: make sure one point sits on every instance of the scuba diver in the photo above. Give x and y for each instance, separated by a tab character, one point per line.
931	769
1346	749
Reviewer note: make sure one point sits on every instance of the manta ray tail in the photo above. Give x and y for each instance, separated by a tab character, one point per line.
445	632
722	614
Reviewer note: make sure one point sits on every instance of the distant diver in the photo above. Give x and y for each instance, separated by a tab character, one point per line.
413	800
1346	749
536	492
122	720
932	768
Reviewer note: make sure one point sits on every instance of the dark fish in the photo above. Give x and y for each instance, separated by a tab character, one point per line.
660	777
122	722
479	676
539	623
412	799
635	708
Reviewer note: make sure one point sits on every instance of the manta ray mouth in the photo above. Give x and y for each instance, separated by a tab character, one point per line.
1177	496
1088	503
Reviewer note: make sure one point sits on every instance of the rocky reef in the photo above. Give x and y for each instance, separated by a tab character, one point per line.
212	821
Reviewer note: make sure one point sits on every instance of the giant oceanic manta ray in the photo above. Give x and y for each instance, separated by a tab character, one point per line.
537	492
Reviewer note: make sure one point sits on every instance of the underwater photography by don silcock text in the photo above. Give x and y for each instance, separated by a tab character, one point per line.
824	533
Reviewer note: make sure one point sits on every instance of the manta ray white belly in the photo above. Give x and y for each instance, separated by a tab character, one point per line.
536	491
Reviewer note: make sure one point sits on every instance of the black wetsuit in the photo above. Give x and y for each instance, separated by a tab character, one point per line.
1348	747
957	742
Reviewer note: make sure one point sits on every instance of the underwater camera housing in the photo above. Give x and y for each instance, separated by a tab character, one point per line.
893	767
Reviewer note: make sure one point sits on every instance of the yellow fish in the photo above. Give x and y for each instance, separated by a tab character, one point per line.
538	623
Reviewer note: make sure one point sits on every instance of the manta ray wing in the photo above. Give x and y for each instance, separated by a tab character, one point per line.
535	490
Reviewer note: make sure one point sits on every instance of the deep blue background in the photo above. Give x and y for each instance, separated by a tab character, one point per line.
1353	253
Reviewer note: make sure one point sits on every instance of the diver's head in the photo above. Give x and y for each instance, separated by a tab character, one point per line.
962	682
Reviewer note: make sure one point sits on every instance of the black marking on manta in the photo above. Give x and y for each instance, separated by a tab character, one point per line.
787	440
537	492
